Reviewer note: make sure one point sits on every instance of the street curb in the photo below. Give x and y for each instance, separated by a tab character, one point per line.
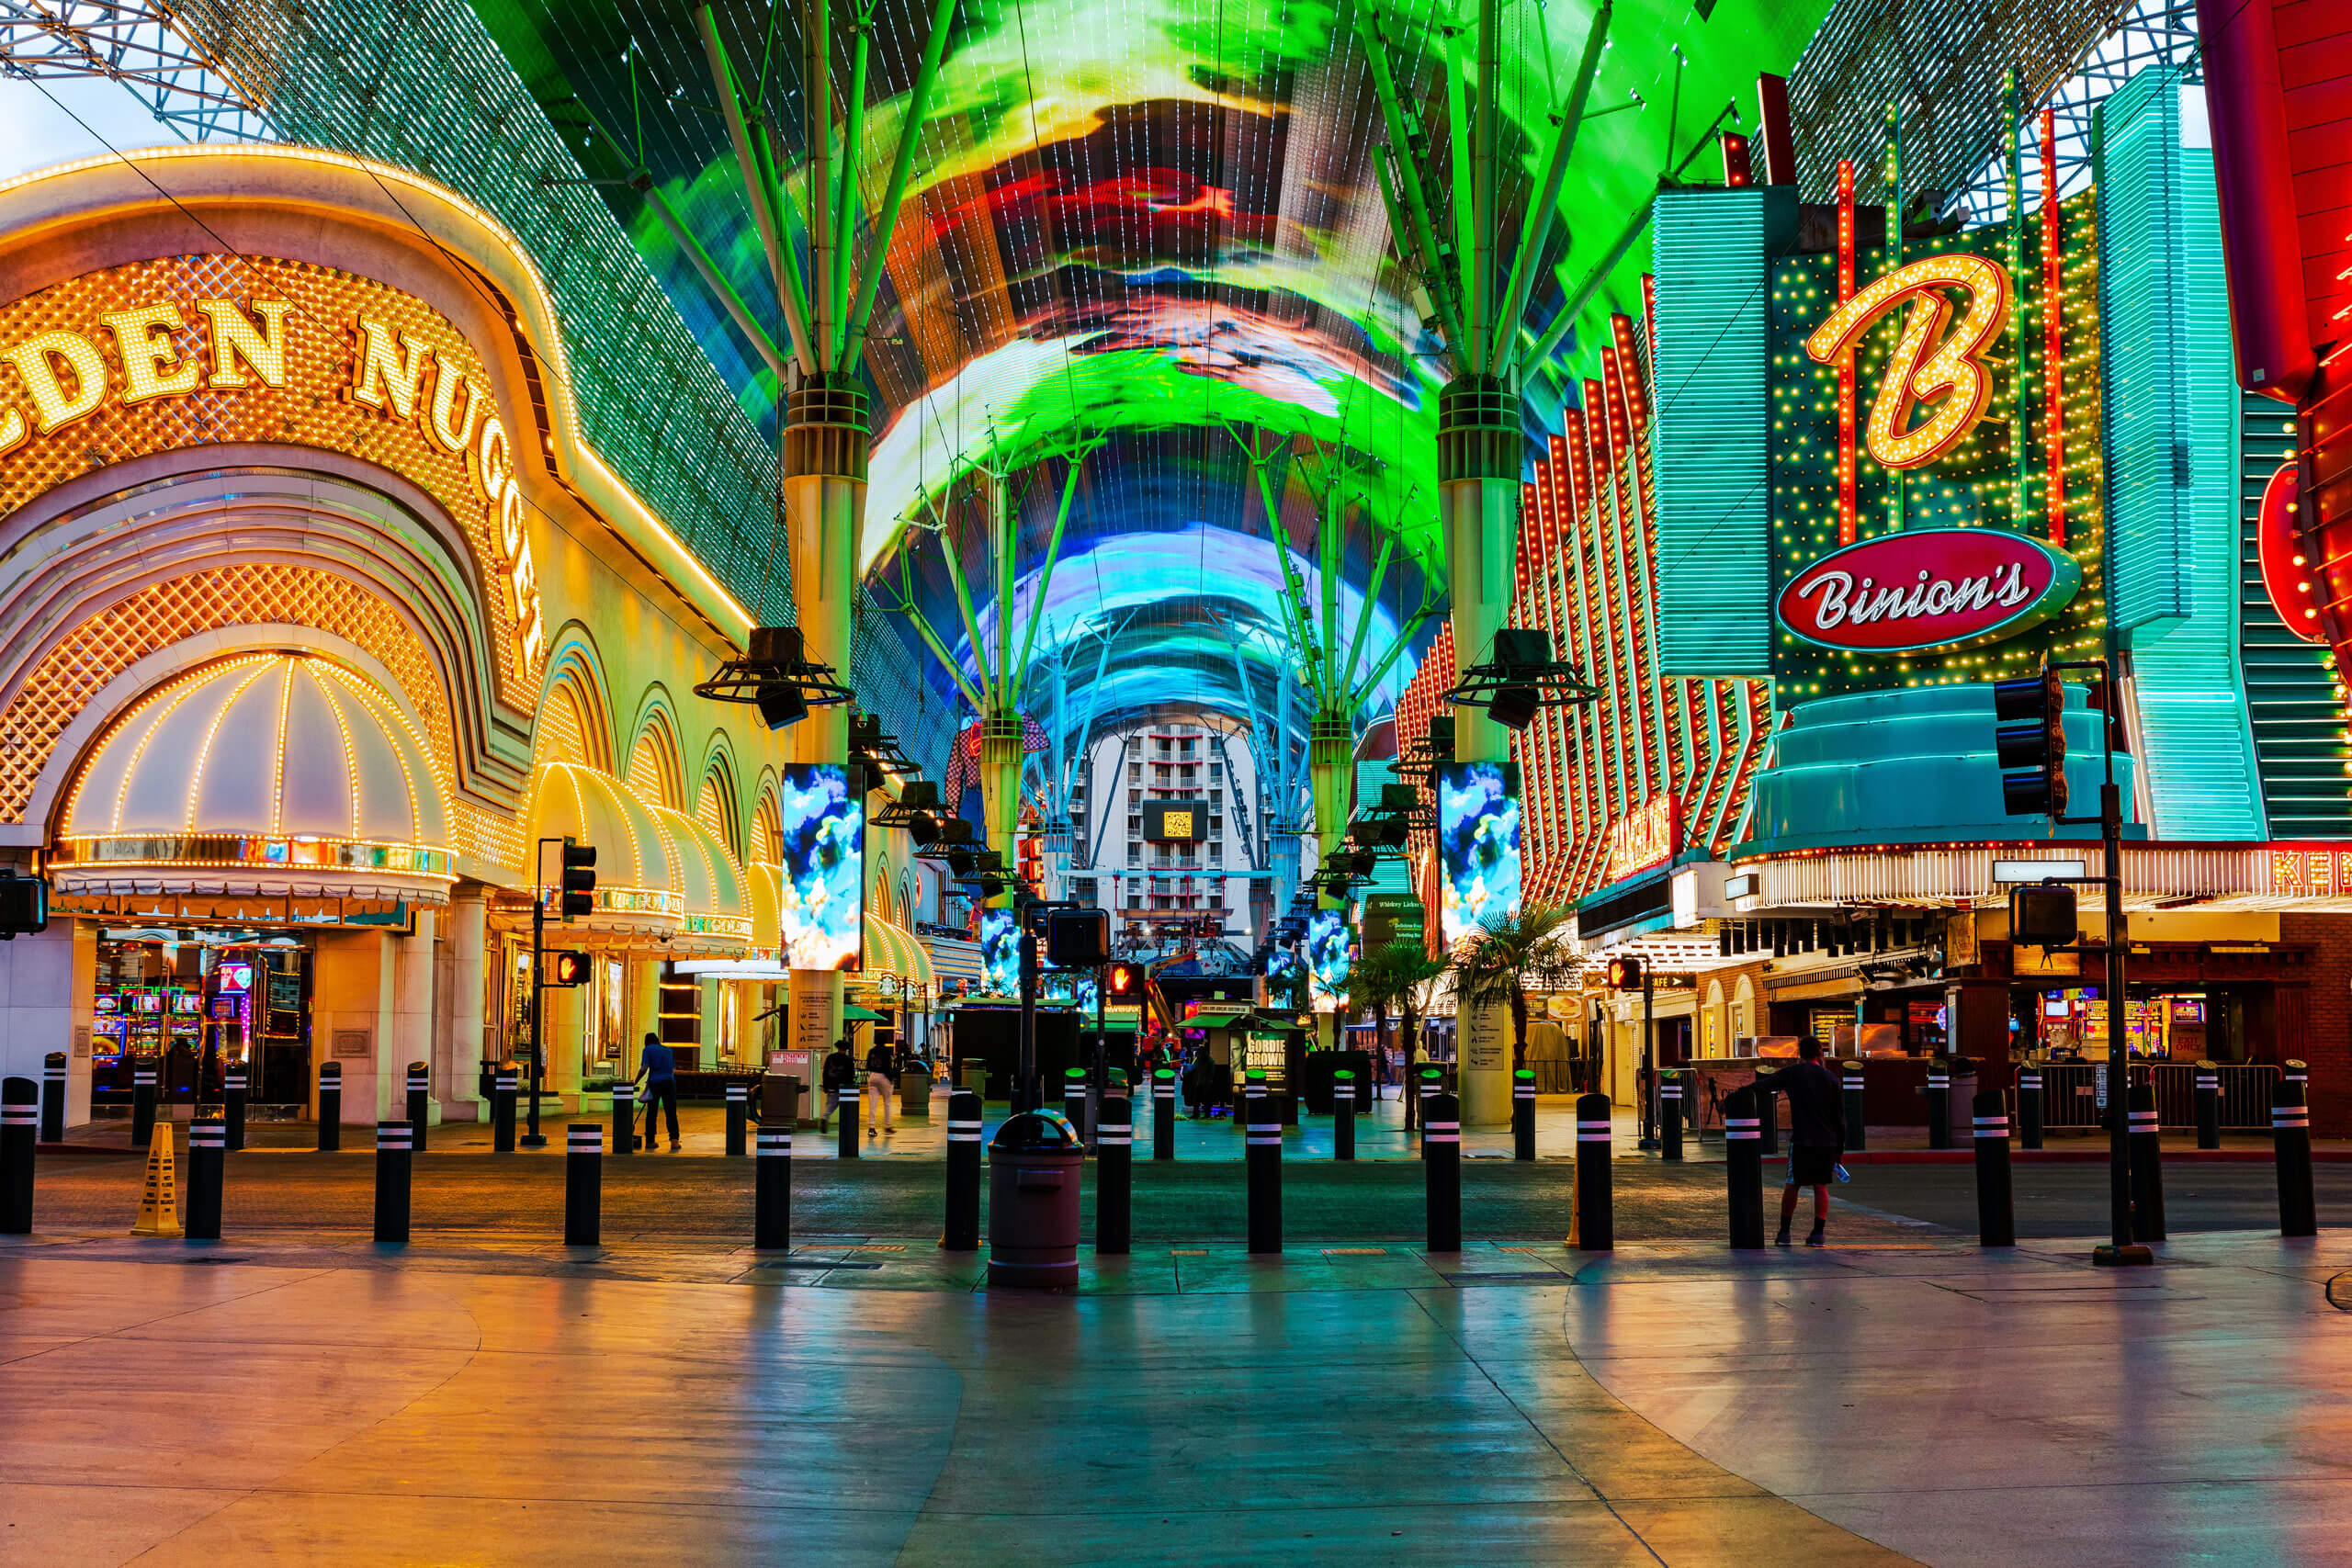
2069	1156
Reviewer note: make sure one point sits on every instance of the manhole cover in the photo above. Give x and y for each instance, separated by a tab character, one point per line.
2339	1292
1545	1276
817	1263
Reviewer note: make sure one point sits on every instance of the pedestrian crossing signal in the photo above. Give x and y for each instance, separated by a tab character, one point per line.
567	966
1624	974
1124	979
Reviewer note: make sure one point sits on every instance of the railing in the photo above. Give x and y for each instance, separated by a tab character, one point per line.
2070	1093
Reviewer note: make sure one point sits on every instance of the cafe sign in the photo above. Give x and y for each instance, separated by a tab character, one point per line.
1930	589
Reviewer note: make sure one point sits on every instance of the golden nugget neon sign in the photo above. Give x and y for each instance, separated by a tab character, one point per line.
1931	367
66	377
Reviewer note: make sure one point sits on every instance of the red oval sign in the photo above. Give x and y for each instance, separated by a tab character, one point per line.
1936	588
2285	575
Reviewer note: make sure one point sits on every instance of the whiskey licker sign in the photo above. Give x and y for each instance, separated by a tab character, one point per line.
1929	591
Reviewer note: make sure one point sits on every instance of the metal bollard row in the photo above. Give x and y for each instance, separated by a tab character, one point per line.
1441	1173
420	1102
1113	1178
1263	1152
502	1108
1163	1114
2209	1105
232	1109
2147	1165
1857	1103
963	1133
1743	1168
1595	1227
2290	1140
772	1190
738	1117
1343	1115
394	1144
330	1107
583	1185
52	1098
207	1159
1523	1113
1938	1108
20	1119
1996	1210
2029	1112
143	1105
1669	1115
624	1118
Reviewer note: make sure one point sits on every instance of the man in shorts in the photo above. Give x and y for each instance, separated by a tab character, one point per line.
1816	1135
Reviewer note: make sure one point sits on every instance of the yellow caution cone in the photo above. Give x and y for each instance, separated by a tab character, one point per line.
159	1206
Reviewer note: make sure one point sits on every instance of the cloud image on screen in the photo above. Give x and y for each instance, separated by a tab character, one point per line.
823	880
1478	835
1000	952
1331	951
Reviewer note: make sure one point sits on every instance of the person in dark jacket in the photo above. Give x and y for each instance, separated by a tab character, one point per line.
881	1086
657	1069
839	1072
1816	1135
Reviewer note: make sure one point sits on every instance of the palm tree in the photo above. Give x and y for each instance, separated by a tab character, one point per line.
1400	974
1504	959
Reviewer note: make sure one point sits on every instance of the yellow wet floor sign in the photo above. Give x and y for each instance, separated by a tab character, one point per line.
159	1205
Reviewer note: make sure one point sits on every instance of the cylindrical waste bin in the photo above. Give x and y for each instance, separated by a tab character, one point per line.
1034	1162
914	1092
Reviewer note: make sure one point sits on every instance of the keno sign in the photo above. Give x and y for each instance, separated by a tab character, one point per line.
1929	591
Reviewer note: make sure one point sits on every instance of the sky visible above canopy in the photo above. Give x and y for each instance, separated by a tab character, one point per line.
1154	221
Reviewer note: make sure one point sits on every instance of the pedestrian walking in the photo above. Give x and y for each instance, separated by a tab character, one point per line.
1816	1135
657	1071
839	1072
881	1088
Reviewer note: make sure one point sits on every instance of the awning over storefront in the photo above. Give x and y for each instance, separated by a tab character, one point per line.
713	913
953	960
896	955
271	780
2311	877
637	894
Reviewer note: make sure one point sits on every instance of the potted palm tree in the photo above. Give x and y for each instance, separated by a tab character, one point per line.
1507	958
1403	978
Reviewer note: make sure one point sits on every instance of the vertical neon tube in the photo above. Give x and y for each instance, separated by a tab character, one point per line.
1848	501
2053	406
2022	482
1894	263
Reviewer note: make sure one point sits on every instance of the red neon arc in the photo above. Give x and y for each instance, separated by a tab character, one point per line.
1931	367
1928	589
2287	576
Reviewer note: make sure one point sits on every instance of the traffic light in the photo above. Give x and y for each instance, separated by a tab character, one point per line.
24	905
1626	973
565	966
2029	737
1077	939
2042	915
1126	979
577	896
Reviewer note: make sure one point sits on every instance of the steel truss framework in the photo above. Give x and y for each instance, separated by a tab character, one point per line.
139	45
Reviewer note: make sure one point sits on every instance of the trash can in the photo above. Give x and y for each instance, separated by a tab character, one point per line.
914	1092
1034	1170
973	1076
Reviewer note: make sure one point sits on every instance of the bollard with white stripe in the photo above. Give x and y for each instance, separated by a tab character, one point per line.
1523	1113
420	1101
2029	1108
2209	1105
1115	1139
502	1108
1432	1082
624	1117
739	1116
233	1107
1074	1101
852	1108
964	1134
1849	1075
1743	1167
1939	1107
1163	1114
52	1098
2291	1139
1996	1223
1264	1155
1596	1143
1670	1114
1343	1115
19	1123
772	1190
394	1140
330	1107
1441	1173
207	1158
583	1184
2147	1167
142	1105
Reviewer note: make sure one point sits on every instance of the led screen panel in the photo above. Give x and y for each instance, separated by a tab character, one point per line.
824	866
1477	838
1331	951
1000	952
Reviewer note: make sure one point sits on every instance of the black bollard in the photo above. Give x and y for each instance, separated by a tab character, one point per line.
1074	1101
624	1118
502	1109
420	1102
2290	1140
1343	1115
1163	1114
739	1117
583	1184
392	1157
1743	1168
233	1108
19	1126
1669	1115
1768	1116
1596	1145
1939	1107
2029	1108
1851	1075
207	1158
1113	1178
330	1107
1432	1082
52	1098
1264	1154
1522	1118
852	1107
1997	1224
2209	1105
963	1133
772	1190
143	1105
1441	1173
2147	1167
